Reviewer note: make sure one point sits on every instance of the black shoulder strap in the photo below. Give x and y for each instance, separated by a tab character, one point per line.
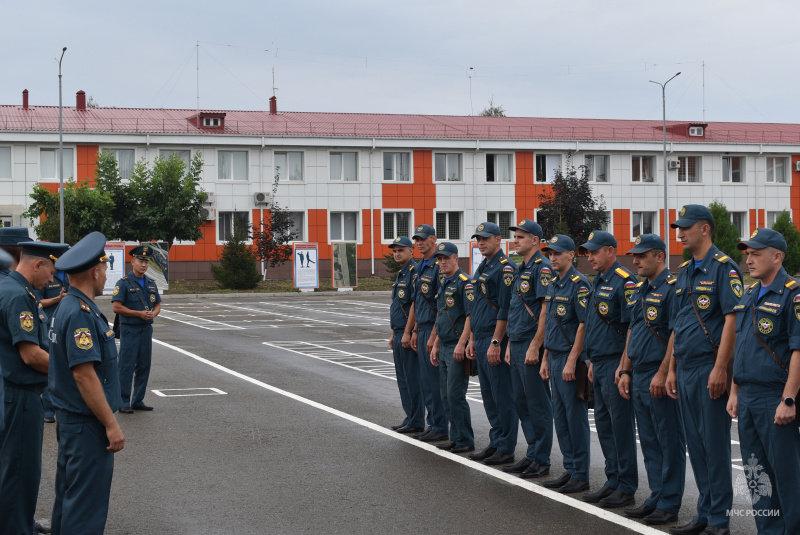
137	293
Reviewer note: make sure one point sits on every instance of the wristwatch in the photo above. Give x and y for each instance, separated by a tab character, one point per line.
495	342
789	402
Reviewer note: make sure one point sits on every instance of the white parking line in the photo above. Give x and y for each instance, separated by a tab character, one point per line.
196	321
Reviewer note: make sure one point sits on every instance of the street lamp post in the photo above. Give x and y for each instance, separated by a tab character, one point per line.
60	152
666	194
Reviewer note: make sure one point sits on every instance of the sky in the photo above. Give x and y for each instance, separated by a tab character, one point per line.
571	59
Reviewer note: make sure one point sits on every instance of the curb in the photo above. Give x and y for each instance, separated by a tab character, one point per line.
261	295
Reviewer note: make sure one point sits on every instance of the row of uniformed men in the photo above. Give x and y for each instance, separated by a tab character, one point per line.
658	349
74	357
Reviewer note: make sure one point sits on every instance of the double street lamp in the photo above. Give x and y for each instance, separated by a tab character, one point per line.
60	151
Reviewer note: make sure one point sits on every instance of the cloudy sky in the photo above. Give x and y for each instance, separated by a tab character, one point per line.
573	58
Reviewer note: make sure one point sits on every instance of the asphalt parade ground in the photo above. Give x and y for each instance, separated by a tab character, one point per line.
272	415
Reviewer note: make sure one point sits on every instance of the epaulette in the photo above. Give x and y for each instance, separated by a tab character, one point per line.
463	277
639	284
722	257
622	273
684	264
792	284
411	268
537	260
576	279
504	260
671	279
752	286
85	307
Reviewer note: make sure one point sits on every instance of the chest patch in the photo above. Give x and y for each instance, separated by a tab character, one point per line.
524	286
450	301
152	298
424	287
26	321
765	325
652	313
83	338
603	308
401	293
561	310
703	301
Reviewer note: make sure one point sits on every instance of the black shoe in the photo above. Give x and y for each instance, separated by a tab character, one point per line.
449	445
38	528
49	419
692	528
433	436
462	449
485	453
596	496
409	429
500	458
573	486
617	499
659	517
535	470
142	407
419	436
560	482
126	410
518	467
713	530
396	427
641	511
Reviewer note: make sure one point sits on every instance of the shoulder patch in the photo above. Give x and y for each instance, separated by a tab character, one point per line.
671	279
685	263
504	260
721	257
640	283
463	277
622	273
575	278
508	269
792	284
85	307
537	260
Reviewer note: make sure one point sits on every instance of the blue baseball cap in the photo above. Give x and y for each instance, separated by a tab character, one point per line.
13	236
43	249
560	243
764	237
401	241
486	230
598	239
84	255
446	249
691	214
647	242
531	227
424	231
6	260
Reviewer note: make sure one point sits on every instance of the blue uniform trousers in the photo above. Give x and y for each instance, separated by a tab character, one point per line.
616	430
135	355
453	384
20	458
662	440
47	404
571	417
83	476
777	449
534	404
429	380
406	370
498	401
708	436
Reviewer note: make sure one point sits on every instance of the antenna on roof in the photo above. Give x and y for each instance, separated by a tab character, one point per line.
469	74
198	84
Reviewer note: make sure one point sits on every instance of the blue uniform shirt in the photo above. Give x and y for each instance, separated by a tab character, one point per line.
53	289
716	286
567	299
610	295
492	280
402	296
22	319
425	291
453	301
528	288
130	292
651	304
777	316
81	334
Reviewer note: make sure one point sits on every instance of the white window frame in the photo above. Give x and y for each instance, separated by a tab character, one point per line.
549	173
610	224
496	220
286	154
221	215
443	232
341	155
774	215
233	178
653	169
683	170
394	213
166	153
743	229
68	172
448	165
10	164
393	170
783	166
654	230
591	170
341	214
211	122
511	173
727	177
126	175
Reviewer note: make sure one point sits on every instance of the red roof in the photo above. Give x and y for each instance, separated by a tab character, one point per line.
363	125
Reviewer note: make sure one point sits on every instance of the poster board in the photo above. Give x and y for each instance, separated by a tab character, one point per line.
304	256
115	251
344	265
475	257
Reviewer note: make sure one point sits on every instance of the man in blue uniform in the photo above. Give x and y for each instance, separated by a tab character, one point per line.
137	302
448	350
24	361
84	385
11	240
487	323
50	296
766	375
709	287
6	261
405	359
567	298
606	331
526	320
417	335
643	375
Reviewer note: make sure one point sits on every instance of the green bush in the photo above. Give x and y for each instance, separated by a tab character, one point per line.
392	267
790	233
237	264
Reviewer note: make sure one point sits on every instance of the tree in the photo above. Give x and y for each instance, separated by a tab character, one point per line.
85	210
569	207
493	111
790	233
237	264
393	267
726	235
275	232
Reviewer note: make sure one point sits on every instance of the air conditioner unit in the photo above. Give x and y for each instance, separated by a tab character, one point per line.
797	166
208	200
261	197
209	214
674	164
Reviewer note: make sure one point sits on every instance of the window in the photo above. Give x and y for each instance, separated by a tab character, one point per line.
643	168
396	224
502	220
396	166
696	131
232	165
210	121
732	169
184	155
125	162
643	223
50	163
772	217
344	226
739	220
607	227
298	230
448	225
689	170
775	170
289	165
596	167
5	162
344	166
225	223
447	167
546	167
498	168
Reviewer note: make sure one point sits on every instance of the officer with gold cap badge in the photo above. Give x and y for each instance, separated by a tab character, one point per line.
84	387
11	240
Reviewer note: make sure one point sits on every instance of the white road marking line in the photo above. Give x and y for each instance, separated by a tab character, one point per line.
464	461
270	313
196	321
348	314
200	392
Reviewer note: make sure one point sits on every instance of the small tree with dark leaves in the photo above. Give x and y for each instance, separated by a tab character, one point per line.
275	231
237	264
